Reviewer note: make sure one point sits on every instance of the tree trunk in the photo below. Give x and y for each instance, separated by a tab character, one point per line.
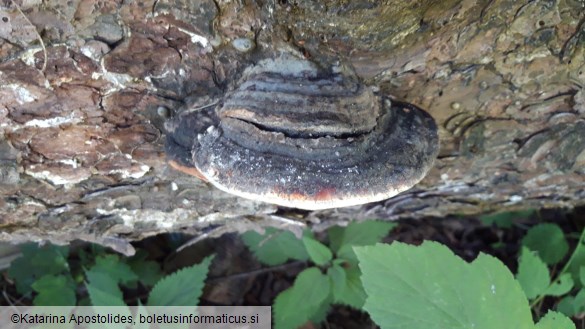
82	113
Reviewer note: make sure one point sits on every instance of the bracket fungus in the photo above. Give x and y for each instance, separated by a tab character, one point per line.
294	135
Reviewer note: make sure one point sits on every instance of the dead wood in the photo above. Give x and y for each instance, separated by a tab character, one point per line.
82	131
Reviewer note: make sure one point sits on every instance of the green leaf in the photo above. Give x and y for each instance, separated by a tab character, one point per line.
572	305
54	290
577	260
37	261
582	274
182	288
148	271
579	302
103	289
358	234
566	306
318	252
505	219
532	274
429	287
560	286
338	279
321	312
554	320
549	241
353	294
275	247
112	266
296	305
347	253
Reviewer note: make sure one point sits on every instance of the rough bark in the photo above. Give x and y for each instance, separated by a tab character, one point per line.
82	113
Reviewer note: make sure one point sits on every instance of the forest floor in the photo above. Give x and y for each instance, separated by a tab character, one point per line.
237	278
465	236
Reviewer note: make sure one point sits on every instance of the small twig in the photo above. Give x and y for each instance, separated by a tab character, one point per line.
11	301
38	35
6	297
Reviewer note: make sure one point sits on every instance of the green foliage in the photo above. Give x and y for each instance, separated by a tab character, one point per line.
554	320
400	286
577	261
148	271
318	252
562	285
546	244
296	305
549	241
429	287
532	274
54	290
275	247
181	288
366	233
313	292
112	266
352	293
572	305
103	290
543	247
44	273
37	261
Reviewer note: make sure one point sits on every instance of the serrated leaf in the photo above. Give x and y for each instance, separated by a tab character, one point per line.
353	294
358	234
54	290
549	241
115	268
532	274
182	288
103	290
296	305
37	261
560	286
318	252
275	247
555	320
505	219
429	287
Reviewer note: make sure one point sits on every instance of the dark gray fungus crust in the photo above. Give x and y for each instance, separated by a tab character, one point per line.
295	136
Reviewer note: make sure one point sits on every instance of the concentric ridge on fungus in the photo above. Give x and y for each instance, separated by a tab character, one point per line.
296	136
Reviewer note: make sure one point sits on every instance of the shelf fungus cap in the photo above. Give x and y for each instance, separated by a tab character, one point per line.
293	135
